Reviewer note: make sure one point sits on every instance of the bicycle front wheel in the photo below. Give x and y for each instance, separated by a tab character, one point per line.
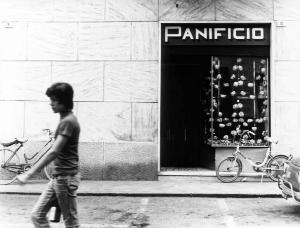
229	169
9	168
275	166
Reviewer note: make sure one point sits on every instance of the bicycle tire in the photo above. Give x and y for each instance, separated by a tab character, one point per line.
277	162
7	176
223	175
48	169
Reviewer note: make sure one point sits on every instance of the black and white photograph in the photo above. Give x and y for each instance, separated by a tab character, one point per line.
149	114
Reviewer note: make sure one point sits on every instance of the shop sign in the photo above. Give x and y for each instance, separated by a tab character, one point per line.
215	34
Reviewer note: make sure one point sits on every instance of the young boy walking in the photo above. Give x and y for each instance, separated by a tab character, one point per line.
62	188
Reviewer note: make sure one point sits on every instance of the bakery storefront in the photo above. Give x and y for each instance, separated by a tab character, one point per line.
214	79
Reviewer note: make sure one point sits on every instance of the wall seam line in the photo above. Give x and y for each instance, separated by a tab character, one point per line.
24	110
215	7
103	83
131	130
131	41
103	160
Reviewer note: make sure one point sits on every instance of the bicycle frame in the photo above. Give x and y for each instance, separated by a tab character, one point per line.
33	156
18	168
267	157
13	154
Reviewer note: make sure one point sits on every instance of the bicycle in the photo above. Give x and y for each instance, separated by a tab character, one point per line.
11	165
231	167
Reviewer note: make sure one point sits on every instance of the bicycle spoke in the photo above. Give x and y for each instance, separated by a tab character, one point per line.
275	166
5	182
228	170
9	169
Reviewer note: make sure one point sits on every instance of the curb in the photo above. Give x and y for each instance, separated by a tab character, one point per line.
200	195
61	225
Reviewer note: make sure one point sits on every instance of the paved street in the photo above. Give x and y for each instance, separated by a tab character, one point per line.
163	212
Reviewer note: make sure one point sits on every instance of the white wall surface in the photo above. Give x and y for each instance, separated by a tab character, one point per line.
108	50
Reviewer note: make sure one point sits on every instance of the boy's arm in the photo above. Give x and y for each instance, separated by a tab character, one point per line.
56	148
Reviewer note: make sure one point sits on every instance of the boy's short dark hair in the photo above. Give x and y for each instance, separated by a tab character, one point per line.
63	92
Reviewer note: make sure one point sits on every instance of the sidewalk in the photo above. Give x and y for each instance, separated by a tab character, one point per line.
209	187
165	187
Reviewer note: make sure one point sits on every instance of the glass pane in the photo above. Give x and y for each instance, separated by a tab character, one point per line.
239	100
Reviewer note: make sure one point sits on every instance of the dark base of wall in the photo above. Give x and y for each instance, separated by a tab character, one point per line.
108	161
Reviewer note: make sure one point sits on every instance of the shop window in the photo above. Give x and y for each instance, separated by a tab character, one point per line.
237	99
214	80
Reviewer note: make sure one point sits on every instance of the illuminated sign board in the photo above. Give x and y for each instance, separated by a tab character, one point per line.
215	34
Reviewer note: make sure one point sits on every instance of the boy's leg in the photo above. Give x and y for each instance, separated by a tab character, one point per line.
42	207
66	193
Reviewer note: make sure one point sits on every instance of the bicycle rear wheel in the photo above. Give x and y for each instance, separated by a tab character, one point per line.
9	170
275	166
48	170
229	170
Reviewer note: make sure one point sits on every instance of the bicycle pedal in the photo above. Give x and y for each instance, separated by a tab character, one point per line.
244	179
8	164
284	196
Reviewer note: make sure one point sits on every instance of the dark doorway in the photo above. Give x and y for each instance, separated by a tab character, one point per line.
182	117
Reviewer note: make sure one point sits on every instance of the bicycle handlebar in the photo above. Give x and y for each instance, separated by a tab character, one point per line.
244	132
248	132
267	138
48	131
271	140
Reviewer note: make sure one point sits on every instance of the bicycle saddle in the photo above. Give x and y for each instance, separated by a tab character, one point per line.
10	143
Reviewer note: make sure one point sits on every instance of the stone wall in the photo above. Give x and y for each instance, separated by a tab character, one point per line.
109	51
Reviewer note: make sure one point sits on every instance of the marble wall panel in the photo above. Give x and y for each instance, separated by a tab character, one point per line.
287	81
85	77
104	41
52	41
145	122
75	108
26	10
145	41
130	161
13	38
132	10
185	10
104	121
131	81
286	149
286	10
256	10
287	123
287	41
38	116
11	119
79	10
91	161
24	80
